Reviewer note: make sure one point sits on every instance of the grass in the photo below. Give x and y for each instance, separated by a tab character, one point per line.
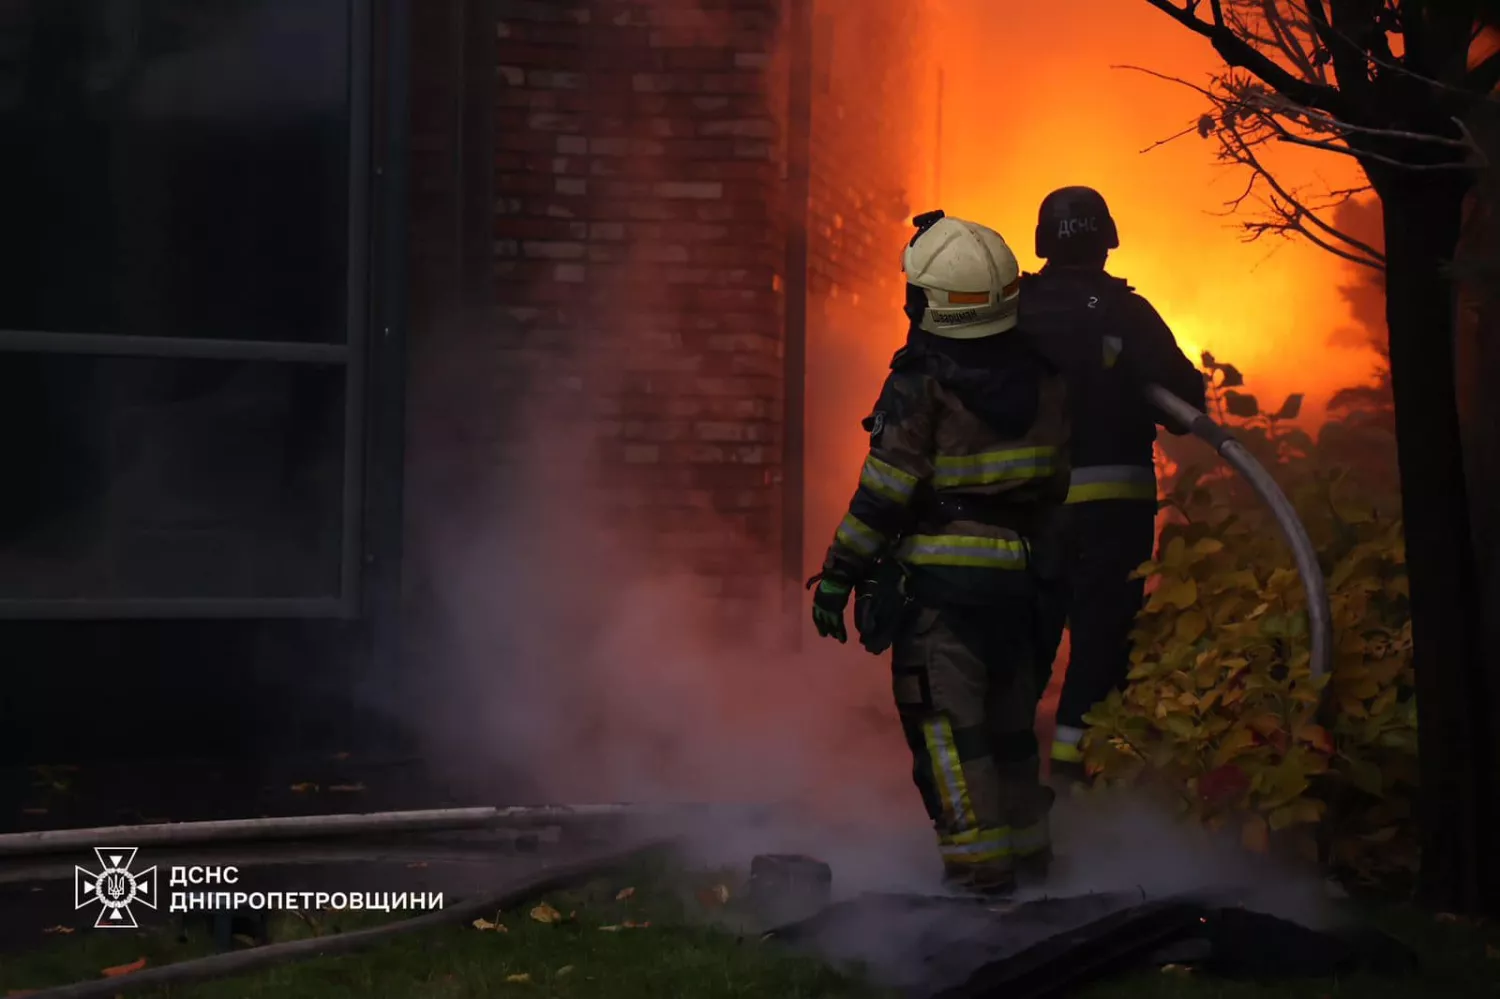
664	940
689	947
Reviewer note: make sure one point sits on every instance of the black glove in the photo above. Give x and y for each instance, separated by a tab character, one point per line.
829	602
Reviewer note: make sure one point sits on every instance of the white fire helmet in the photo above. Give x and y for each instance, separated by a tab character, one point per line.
970	276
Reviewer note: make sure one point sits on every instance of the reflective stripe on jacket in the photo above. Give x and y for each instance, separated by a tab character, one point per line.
1111	482
932	437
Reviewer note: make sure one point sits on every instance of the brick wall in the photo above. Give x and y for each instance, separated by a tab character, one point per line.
873	116
635	169
638	242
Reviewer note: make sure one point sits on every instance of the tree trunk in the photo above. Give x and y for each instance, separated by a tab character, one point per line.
1423	217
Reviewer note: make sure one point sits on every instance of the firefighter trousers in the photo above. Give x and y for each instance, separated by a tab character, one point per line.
965	688
1102	543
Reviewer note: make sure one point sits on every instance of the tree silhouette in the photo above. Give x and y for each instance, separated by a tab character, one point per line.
1395	84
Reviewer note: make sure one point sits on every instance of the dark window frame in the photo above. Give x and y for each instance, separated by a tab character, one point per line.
351	356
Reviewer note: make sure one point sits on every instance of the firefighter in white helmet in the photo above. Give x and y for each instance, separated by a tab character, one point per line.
967	456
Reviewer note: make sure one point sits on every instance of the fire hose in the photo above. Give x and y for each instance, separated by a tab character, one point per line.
1319	617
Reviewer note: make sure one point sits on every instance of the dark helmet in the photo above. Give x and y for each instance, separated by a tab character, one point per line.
1074	223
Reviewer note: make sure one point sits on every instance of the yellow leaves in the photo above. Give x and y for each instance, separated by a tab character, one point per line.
623	894
1317	737
1221	699
1232	745
1280	582
1179	592
1300	812
545	913
1353	512
492	926
1191	626
521	979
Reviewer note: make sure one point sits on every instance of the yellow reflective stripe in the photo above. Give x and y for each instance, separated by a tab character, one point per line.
958	812
858	536
977	846
993	466
1108	482
885	479
963	550
1066	752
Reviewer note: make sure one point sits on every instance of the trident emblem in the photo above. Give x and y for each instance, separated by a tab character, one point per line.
114	887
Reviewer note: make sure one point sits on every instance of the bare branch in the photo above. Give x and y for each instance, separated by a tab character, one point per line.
1293	225
1238	53
1293	209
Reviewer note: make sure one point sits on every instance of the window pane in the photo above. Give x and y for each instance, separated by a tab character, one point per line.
134	478
175	167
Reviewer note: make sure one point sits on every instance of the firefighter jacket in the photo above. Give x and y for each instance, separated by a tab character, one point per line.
967	452
1110	344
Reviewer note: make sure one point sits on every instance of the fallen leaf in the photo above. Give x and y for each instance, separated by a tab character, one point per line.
58	929
566	969
483	924
518	978
629	925
356	786
304	786
124	969
715	896
544	913
417	864
610	929
34	811
624	893
1176	969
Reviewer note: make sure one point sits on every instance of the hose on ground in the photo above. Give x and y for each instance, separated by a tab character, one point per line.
203	969
1319	616
46	841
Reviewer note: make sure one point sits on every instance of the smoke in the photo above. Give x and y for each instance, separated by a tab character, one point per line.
572	650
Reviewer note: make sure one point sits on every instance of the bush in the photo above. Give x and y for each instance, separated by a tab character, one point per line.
1222	710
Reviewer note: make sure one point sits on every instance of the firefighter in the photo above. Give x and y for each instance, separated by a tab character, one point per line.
1110	343
967	446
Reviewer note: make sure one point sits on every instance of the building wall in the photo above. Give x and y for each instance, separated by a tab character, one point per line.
638	255
874	111
633	320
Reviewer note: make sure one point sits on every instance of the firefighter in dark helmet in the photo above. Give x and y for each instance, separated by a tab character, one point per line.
966	454
1110	343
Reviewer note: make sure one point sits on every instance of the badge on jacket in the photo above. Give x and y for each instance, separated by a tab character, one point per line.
1112	347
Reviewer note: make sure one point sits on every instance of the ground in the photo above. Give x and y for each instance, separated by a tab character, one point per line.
652	936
